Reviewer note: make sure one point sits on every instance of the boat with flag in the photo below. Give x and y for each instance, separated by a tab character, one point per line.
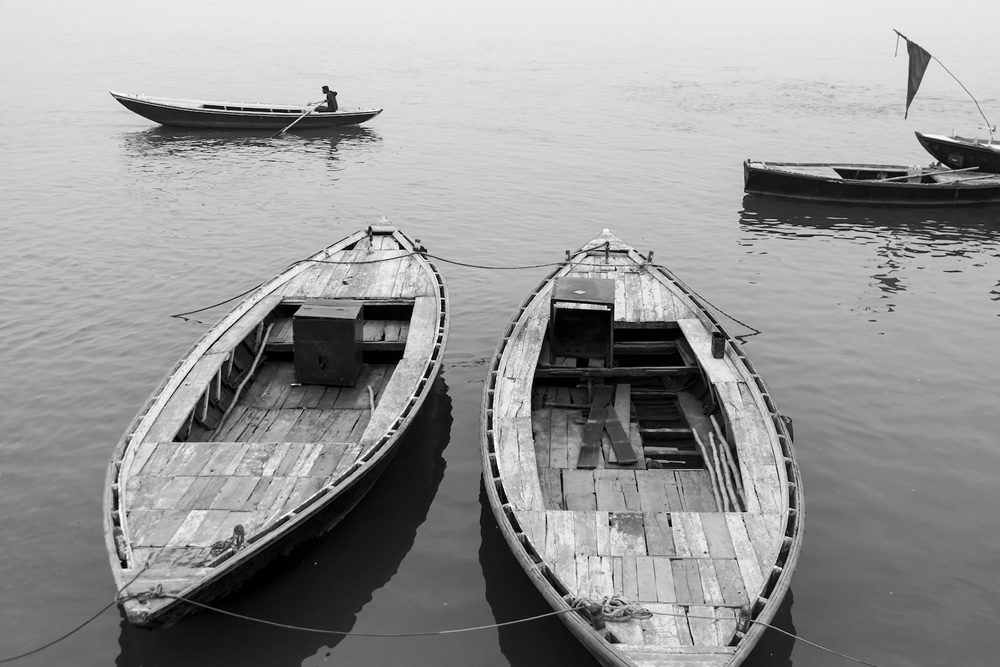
963	152
953	151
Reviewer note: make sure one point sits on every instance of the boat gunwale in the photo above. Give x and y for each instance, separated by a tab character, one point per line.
775	585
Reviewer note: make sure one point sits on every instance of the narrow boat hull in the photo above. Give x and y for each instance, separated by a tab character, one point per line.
634	462
275	425
961	153
869	184
219	115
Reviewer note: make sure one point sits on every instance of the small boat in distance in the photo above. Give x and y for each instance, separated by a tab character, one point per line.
275	424
237	115
637	467
961	152
851	183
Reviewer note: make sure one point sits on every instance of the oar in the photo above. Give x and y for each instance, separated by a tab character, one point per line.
927	173
308	111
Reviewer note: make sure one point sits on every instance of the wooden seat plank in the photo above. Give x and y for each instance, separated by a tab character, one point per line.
585	530
700	340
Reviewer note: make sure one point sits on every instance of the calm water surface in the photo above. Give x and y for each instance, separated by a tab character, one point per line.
511	132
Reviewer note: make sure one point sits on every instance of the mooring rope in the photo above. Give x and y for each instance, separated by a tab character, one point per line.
615	609
485	267
77	628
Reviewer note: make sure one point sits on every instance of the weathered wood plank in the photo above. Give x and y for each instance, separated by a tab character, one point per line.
720	544
630	580
700	341
667	589
659	534
627	534
646	578
745	556
592	430
551	484
579	490
689	535
652	491
710	586
701	620
661	628
687	581
234	493
558	443
731	582
585	527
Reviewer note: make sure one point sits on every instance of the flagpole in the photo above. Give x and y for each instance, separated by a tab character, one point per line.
989	127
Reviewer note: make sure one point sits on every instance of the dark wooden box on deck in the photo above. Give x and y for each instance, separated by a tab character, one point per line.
327	339
582	318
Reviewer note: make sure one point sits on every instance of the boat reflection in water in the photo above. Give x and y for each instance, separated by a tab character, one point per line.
898	235
322	586
184	142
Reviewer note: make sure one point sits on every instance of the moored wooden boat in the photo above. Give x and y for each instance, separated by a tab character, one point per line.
237	115
851	183
962	152
636	465
275	424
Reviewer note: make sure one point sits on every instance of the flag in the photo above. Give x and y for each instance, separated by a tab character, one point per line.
918	64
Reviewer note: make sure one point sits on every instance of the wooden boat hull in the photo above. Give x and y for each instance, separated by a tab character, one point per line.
584	522
241	455
868	184
222	115
962	153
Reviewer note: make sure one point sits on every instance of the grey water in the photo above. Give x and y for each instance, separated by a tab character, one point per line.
511	132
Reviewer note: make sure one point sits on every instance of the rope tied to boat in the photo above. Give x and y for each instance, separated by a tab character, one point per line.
614	609
232	543
615	603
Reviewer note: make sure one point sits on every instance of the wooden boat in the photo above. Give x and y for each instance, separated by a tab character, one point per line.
635	461
961	152
871	183
275	424
237	115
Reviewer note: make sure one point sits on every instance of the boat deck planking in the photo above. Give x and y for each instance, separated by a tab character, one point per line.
696	540
191	472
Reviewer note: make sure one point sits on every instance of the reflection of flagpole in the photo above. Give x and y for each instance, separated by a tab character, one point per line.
918	63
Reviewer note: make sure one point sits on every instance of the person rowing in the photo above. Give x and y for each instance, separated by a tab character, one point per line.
331	100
